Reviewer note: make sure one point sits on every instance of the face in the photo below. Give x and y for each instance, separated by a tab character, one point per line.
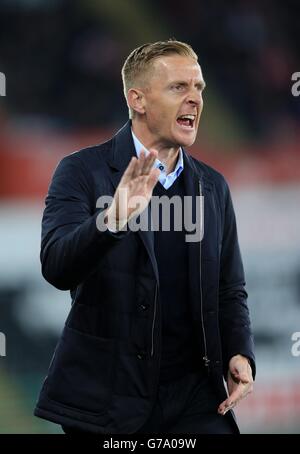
173	101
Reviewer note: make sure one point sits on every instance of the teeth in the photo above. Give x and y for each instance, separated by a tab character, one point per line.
188	117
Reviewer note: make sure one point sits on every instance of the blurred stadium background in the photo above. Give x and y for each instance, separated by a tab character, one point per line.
62	61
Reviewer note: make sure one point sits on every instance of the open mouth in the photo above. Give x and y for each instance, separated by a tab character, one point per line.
186	121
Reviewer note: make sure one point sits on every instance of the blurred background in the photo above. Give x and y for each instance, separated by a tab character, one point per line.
62	62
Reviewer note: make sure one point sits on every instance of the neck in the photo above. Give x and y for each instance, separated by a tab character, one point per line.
167	154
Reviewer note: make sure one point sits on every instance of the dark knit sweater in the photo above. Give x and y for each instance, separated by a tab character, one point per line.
180	350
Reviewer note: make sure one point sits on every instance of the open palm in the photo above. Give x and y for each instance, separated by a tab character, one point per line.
135	188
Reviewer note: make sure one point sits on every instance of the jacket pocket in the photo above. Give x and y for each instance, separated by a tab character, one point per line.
80	374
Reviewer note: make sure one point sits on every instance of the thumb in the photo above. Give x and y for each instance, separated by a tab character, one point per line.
244	378
241	375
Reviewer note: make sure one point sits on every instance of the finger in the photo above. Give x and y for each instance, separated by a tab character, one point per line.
149	161
140	165
241	391
225	407
151	166
153	178
128	174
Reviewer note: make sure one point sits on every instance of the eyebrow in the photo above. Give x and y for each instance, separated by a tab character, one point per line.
201	84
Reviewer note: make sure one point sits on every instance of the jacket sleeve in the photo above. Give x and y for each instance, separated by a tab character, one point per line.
72	245
234	319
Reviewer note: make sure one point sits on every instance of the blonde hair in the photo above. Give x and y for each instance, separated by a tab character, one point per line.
140	59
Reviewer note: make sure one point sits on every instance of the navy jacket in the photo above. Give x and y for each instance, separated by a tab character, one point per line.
104	373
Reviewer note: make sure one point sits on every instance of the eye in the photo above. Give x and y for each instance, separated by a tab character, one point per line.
177	87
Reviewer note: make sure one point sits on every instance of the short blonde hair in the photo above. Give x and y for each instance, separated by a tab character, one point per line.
140	59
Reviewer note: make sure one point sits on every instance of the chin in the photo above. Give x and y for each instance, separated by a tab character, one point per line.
186	141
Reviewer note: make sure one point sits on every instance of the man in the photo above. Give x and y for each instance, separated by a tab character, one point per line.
157	319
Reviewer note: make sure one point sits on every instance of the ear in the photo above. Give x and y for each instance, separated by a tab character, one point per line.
136	100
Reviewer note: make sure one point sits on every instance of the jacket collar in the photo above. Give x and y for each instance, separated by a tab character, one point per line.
122	148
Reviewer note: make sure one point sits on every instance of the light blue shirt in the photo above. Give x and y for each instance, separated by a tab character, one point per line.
164	179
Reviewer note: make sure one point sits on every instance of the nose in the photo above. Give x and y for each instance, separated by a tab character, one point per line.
195	97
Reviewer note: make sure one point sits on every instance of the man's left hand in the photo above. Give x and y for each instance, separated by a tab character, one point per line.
239	382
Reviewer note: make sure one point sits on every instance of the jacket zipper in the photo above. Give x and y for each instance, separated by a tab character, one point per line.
153	322
205	357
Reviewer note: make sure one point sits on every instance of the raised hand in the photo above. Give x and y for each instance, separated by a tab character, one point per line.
134	190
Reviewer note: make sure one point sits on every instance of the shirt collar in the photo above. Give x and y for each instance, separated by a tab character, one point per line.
157	163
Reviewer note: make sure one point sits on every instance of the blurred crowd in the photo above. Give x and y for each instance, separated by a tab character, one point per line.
250	48
62	62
